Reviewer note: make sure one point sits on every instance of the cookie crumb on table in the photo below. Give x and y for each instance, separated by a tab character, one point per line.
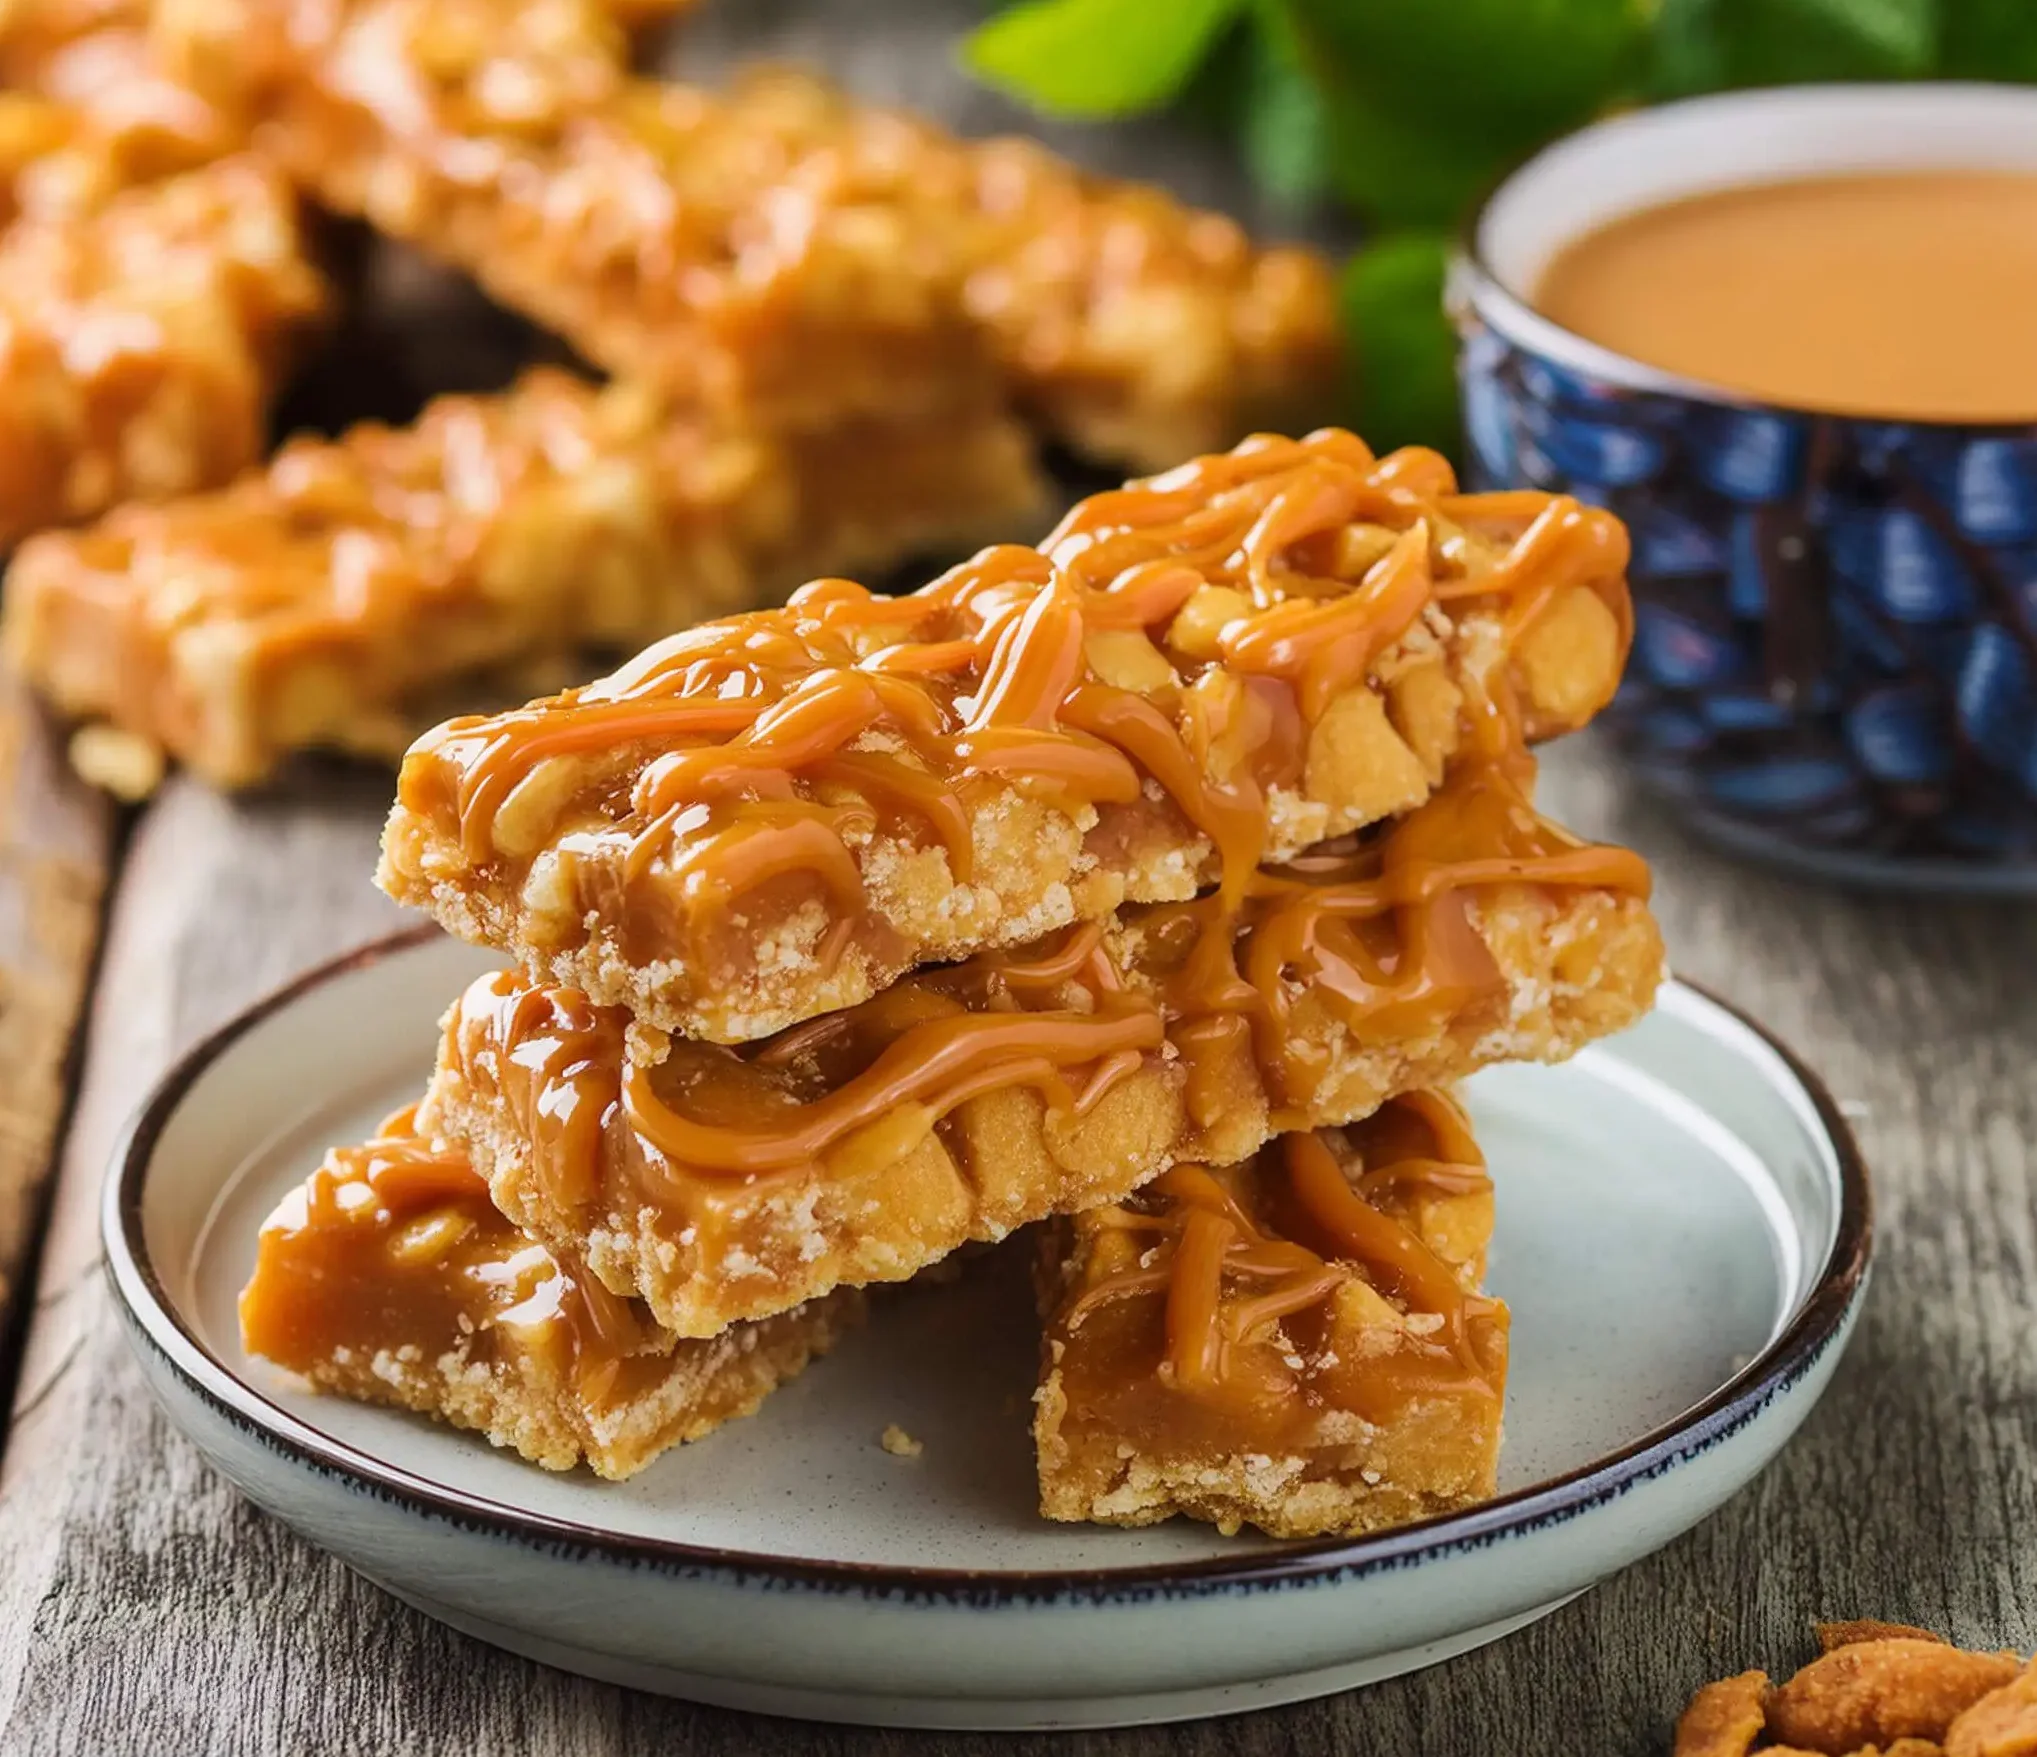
899	1443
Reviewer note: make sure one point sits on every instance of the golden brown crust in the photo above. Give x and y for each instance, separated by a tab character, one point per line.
705	1253
341	595
782	244
204	284
518	1403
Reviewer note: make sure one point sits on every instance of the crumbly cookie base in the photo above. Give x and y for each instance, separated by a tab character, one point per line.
521	1401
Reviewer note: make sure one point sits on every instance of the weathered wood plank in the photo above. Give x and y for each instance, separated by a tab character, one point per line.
217	902
56	841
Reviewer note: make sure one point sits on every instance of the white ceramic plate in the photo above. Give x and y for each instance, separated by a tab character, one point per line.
1683	1237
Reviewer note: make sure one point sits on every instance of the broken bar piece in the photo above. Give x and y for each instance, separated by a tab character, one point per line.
390	1278
1296	1342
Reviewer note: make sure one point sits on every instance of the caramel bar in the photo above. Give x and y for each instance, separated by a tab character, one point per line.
722	1184
783	244
390	1278
1296	1342
771	817
58	160
139	344
704	245
336	597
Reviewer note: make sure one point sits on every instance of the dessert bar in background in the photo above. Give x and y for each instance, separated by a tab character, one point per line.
760	820
1295	1342
780	244
350	591
144	341
390	1278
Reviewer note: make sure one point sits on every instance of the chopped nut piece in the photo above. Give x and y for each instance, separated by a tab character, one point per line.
899	1443
128	767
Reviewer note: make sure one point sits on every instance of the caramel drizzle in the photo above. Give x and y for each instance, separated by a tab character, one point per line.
1379	930
1228	1280
914	704
410	1174
942	1038
1381	934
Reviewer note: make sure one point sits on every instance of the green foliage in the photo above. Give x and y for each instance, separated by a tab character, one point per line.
1507	72
1988	39
1402	112
1097	59
1777	42
1392	297
1284	116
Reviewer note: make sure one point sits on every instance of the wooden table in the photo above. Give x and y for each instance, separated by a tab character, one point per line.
144	1607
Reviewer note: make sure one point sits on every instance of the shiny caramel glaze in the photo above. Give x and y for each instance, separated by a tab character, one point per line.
410	1218
390	1276
1296	1340
723	1179
1190	676
330	597
204	282
89	108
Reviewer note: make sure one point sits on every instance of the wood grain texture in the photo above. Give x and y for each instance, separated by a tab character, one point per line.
145	1608
56	841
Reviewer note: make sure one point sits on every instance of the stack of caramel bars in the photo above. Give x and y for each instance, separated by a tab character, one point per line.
1149	887
835	339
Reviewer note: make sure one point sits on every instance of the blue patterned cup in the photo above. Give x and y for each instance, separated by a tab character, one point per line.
1835	649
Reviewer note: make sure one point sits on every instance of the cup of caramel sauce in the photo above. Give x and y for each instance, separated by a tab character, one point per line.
1790	336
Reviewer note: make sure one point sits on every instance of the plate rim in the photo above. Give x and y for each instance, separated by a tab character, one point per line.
153	1319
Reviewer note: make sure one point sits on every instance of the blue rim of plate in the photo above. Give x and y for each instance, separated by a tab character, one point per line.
1819	1321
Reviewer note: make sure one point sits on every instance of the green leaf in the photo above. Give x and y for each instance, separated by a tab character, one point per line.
1403	350
1505	70
1780	42
1096	59
1429	102
1688	54
1397	172
1284	120
1988	39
